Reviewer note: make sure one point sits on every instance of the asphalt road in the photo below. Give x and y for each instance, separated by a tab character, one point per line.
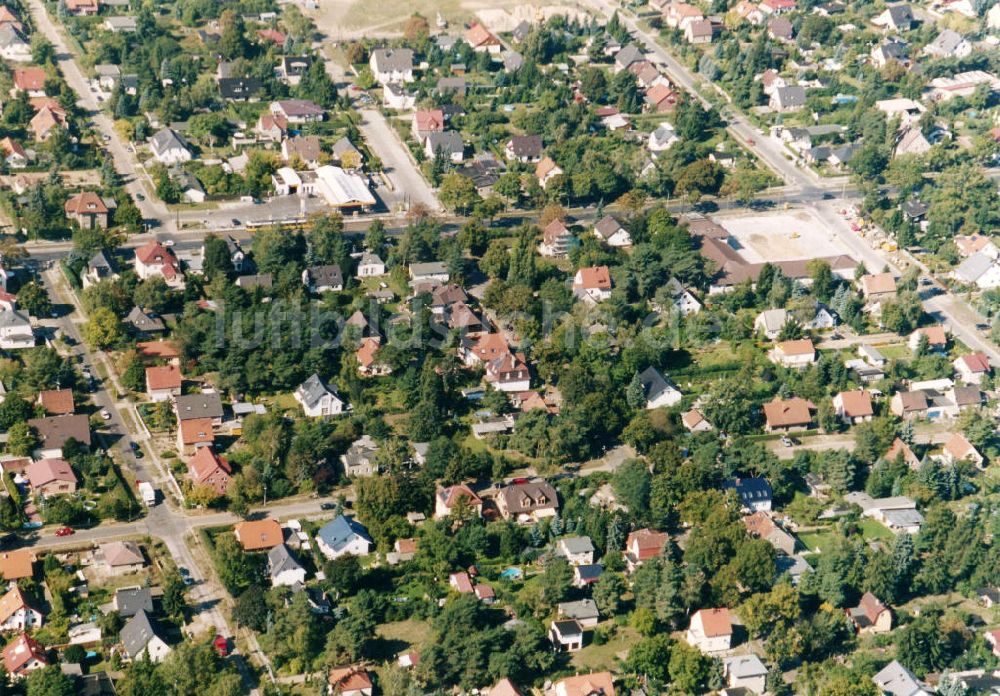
408	183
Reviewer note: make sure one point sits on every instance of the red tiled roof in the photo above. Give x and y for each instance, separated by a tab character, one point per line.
163	377
715	622
595	278
259	534
29	79
57	402
196	431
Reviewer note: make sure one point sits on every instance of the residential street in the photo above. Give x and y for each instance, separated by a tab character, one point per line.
410	186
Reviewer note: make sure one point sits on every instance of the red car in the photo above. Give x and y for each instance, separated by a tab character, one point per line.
64	531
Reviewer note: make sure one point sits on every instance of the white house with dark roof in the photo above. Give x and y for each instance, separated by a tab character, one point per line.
612	232
745	671
659	392
283	569
319	399
343	536
169	147
391	65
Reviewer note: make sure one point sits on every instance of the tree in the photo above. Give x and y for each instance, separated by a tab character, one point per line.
650	658
174	603
21	440
608	591
251	610
416	28
458	193
153	294
35	299
690	671
635	393
49	681
232	42
217	260
103	330
631	483
557	578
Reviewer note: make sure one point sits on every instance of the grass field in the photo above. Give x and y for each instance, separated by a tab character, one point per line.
873	530
595	658
816	541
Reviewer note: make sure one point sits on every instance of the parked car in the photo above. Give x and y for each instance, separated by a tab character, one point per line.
64	531
786	441
105	414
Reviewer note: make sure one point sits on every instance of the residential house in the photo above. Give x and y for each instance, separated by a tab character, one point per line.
754	493
901	449
304	148
142	323
88	210
699	31
391	65
678	15
283	569
524	148
546	170
13	45
566	635
895	680
291	69
271	128
972	368
359	459
895	18
208	468
627	56
129	601
44	123
350	681
948	44
122	557
426	121
711	630
49	477
695	422
786	415
370	266
870	616
206	405
30	80
298	111
82	8
259	535
898	513
16	565
662	139
54	431
15	330
343	536
662	99
239	88
958	449
612	232
57	402
367	357
429	273
976	243
169	147
909	404
937	338
396	97
140	639
892	51
22	655
557	240
318	399
775	7
746	672
770	322
461	582
853	407
576	550
582	611
460	496
642	545
14	154
788	98
878	287
761	525
482	39
592	284
16	614
163	382
320	279
979	270
658	392
445	144
798	353
153	259
592	684
527	502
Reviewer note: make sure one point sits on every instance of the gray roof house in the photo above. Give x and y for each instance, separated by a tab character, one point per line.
169	148
282	567
896	680
788	98
392	65
319	399
129	601
144	322
321	279
342	536
445	144
100	267
358	459
204	405
949	44
628	55
658	391
139	637
584	611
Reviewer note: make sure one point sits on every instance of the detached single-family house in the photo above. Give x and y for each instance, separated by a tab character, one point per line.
527	502
16	614
320	279
592	284
895	680
546	170
576	550
350	681
695	421
958	448
163	382
129	601
88	210
786	415
359	459
283	569
711	630
642	545
761	525
208	468
524	148
612	232
949	44
754	493
788	98
745	672
878	287
139	638
169	147
937	338
663	138
447	499
343	536
583	611
318	399
259	535
298	111
798	353
49	477
972	368
24	654
123	557
391	65
770	322
658	392
153	259
897	18
566	635
370	266
853	407
870	616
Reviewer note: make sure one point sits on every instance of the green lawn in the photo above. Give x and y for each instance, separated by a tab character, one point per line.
871	529
899	351
595	658
816	541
